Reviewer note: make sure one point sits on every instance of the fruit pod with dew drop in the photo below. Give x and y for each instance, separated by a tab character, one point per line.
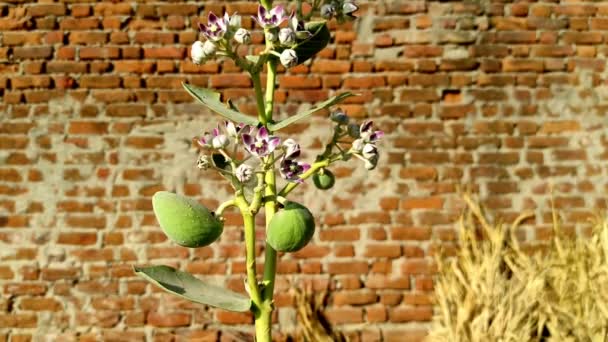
291	228
185	221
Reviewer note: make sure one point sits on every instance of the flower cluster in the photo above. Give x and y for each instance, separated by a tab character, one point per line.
218	31
342	10
364	147
258	143
290	168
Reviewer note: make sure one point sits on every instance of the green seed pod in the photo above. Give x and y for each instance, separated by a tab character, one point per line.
324	180
185	221
291	228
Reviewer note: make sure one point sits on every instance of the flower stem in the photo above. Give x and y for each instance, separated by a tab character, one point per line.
257	85
249	222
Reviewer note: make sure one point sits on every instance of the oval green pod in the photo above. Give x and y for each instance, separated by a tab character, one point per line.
324	180
290	229
185	221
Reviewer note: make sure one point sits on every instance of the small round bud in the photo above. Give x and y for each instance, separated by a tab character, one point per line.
271	36
353	131
287	36
289	58
242	36
209	48
243	173
338	116
197	52
328	11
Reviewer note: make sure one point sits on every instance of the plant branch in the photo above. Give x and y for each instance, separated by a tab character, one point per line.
249	222
257	85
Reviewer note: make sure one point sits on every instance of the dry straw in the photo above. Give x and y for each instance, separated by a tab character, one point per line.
494	291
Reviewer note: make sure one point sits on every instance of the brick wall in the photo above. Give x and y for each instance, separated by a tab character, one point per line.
505	98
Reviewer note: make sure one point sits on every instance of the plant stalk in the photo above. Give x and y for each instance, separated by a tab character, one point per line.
257	85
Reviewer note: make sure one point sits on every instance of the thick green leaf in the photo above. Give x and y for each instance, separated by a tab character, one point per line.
212	101
187	286
327	103
317	42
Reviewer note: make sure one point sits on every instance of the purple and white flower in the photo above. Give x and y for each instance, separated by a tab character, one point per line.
368	133
291	169
291	148
216	27
273	18
289	58
243	173
297	26
215	140
262	144
235	130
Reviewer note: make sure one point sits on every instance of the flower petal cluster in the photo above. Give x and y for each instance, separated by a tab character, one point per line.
365	146
290	168
216	26
262	144
341	9
269	19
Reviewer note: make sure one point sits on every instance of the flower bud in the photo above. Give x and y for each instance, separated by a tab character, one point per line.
287	36
209	48
328	11
243	173
242	36
220	141
369	151
349	7
358	145
271	36
291	148
289	58
197	52
235	21
338	116
353	130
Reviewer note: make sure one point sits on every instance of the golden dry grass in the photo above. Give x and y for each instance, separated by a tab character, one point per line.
494	291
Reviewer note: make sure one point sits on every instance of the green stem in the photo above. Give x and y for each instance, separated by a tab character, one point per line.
271	79
220	210
249	222
257	85
313	169
266	3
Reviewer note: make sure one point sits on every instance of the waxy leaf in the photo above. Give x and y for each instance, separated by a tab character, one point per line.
185	285
327	103
317	42
212	101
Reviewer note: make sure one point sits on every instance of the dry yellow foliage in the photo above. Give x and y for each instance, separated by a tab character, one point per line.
494	291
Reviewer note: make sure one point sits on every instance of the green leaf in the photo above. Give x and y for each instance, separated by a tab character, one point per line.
187	286
212	101
292	119
317	42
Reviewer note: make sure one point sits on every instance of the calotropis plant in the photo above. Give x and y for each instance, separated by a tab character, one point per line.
250	153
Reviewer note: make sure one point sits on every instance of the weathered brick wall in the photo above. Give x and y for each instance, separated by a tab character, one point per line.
505	98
